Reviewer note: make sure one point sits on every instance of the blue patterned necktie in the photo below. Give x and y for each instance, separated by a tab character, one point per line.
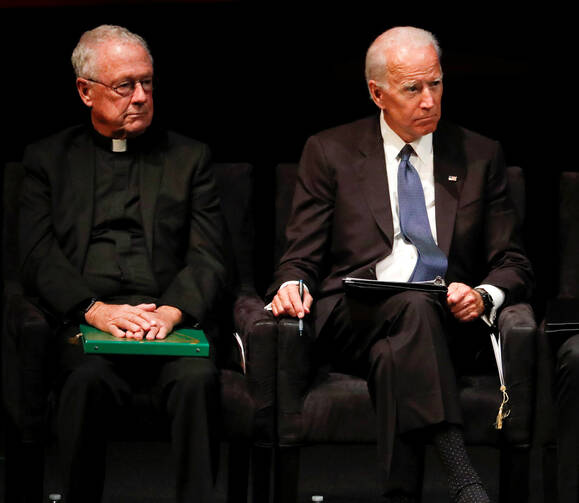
432	262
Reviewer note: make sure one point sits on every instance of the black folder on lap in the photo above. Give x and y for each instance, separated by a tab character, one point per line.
366	286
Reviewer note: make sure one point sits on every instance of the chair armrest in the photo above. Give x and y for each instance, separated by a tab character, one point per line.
258	331
28	344
248	310
518	330
295	365
294	371
545	416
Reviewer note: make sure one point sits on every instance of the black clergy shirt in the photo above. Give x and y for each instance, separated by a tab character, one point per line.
117	266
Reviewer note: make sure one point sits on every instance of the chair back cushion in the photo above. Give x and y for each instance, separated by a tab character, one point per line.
12	180
285	183
235	185
568	235
516	180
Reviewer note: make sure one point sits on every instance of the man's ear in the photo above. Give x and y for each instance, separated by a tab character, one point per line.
377	93
84	90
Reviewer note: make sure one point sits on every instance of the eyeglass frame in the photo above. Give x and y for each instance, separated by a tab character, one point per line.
133	83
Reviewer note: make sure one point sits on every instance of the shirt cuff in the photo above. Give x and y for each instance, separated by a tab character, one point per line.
498	297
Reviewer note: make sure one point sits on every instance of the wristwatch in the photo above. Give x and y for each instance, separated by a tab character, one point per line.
487	300
85	307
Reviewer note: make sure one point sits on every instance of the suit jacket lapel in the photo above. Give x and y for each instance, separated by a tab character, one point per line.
150	175
449	173
374	181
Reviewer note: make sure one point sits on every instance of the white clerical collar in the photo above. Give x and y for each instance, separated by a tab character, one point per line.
119	145
394	144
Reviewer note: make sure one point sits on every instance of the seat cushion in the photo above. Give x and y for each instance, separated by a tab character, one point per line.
338	409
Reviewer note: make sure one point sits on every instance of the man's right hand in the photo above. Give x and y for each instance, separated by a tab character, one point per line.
287	302
120	320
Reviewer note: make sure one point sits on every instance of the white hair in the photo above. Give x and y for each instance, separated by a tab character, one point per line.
84	56
408	36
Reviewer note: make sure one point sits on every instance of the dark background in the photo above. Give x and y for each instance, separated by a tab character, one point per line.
254	80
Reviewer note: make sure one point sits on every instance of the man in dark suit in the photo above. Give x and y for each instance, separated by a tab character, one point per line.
121	229
357	213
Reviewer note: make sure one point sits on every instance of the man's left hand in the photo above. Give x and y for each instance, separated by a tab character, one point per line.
162	320
464	303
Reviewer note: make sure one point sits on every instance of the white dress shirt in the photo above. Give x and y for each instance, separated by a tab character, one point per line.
399	265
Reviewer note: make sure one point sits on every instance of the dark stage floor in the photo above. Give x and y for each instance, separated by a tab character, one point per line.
139	473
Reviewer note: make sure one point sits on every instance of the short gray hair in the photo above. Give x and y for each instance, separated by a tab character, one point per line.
376	62
84	55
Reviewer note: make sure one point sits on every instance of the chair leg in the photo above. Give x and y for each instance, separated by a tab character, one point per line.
12	464
238	472
514	474
287	468
549	462
261	458
24	467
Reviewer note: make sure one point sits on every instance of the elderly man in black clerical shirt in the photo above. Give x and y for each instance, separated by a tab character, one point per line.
121	229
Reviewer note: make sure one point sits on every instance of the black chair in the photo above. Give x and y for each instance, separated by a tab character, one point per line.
561	322
321	406
247	397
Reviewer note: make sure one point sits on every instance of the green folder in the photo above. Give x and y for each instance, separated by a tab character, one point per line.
181	342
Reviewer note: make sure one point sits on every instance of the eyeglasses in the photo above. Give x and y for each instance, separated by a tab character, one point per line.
127	87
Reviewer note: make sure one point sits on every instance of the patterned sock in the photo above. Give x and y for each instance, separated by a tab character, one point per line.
464	484
473	492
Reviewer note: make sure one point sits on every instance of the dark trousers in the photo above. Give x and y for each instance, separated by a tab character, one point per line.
95	388
567	389
400	345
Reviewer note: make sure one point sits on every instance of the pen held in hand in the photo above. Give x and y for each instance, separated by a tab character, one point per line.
301	320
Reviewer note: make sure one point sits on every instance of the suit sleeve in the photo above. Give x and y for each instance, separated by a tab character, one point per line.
45	270
309	228
508	266
197	287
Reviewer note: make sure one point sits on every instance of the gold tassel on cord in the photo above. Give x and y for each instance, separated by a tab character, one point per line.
503	413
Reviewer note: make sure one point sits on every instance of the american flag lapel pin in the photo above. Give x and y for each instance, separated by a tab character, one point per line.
452	178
